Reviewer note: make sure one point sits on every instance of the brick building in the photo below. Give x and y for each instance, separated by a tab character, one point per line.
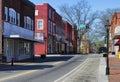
17	29
74	39
68	35
115	33
48	23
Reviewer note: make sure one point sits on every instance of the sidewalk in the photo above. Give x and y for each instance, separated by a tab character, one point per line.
114	64
102	77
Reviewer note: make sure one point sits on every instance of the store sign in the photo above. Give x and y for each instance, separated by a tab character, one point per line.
39	36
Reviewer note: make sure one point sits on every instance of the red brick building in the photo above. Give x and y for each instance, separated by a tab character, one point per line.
68	35
17	29
115	33
56	35
74	39
48	23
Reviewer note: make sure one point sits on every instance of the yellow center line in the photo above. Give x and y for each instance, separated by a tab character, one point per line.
56	63
18	75
24	73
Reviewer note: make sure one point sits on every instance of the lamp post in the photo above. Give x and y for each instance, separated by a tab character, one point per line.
45	42
45	45
107	25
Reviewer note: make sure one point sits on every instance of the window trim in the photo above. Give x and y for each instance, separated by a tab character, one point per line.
6	13
42	28
12	14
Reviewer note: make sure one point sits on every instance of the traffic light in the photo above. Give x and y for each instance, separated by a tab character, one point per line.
87	26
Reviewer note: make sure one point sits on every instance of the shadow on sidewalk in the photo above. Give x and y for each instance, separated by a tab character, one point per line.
25	67
36	64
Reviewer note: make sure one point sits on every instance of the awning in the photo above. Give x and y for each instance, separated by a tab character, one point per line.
20	37
117	43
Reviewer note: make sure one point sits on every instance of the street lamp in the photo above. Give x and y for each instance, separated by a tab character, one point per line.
45	42
45	45
107	25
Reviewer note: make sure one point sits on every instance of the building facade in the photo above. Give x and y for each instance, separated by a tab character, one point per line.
74	39
115	33
57	35
49	23
17	29
68	35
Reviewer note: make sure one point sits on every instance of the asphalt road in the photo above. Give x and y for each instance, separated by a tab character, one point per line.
47	70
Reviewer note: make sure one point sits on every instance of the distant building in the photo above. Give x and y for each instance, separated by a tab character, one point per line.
16	29
68	35
85	45
74	38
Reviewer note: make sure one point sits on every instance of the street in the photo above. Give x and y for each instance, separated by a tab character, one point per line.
65	68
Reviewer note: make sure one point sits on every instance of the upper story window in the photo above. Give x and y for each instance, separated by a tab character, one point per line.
49	25
18	19
36	12
12	15
28	23
6	13
53	28
53	16
32	26
50	13
40	24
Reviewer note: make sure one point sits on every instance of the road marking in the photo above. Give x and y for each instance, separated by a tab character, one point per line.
56	63
24	73
18	75
61	78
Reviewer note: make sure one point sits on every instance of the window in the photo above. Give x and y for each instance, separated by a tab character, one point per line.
18	19
53	16
49	27
27	22
36	12
50	13
6	13
12	15
40	24
32	26
53	28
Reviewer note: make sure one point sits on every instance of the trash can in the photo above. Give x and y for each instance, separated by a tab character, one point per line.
119	54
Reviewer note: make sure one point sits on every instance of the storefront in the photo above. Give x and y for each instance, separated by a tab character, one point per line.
18	43
18	49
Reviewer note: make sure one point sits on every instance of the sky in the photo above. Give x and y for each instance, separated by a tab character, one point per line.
95	4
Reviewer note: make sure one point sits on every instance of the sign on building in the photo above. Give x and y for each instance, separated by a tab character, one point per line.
39	36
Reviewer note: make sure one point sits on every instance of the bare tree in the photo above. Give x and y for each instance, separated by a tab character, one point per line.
79	13
104	16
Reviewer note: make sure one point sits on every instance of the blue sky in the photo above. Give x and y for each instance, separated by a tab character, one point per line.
95	4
